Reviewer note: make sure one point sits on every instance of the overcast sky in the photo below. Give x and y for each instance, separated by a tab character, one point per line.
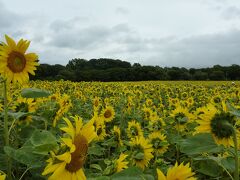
184	33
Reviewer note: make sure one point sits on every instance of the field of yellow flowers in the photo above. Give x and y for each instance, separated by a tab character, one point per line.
121	130
131	130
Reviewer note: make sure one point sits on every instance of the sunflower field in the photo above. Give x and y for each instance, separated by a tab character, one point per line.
118	130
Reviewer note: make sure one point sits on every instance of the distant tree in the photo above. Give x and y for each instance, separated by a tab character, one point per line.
199	75
217	75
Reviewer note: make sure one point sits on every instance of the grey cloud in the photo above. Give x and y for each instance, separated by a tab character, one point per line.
8	20
199	51
94	36
122	10
231	12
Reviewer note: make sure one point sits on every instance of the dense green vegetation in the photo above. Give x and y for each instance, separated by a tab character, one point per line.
116	70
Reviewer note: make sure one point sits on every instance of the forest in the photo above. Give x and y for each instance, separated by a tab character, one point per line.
106	70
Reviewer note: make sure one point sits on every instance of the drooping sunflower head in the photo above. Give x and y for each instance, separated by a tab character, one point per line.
141	151
70	158
217	122
117	135
25	105
100	129
96	103
159	142
182	117
157	125
147	113
134	129
181	172
15	64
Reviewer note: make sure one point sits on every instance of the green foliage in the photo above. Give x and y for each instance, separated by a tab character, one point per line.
34	93
116	70
198	144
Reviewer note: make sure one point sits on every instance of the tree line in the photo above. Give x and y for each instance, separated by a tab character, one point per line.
104	69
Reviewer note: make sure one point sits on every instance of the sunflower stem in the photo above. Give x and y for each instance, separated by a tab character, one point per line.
6	132
236	173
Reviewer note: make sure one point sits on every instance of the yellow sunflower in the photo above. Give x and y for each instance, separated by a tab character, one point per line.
141	151
26	105
2	175
147	113
68	165
108	113
65	104
181	172
120	163
134	129
14	63
159	142
100	129
217	122
117	133
182	117
96	103
157	125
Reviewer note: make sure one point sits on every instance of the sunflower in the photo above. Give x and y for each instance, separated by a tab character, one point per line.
69	164
147	113
141	151
65	104
117	133
181	172
120	163
217	122
2	175
100	129
159	142
182	117
134	129
157	125
26	105
108	113
96	103
14	63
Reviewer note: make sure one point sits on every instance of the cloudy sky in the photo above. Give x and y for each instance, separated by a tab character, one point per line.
185	33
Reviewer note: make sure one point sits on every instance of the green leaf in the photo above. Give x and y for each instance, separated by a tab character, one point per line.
43	142
139	156
210	168
34	93
198	144
96	166
24	156
229	163
18	115
95	150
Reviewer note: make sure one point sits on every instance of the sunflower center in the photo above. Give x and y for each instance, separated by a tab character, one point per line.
96	103
99	131
217	99
16	62
107	114
221	125
78	157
